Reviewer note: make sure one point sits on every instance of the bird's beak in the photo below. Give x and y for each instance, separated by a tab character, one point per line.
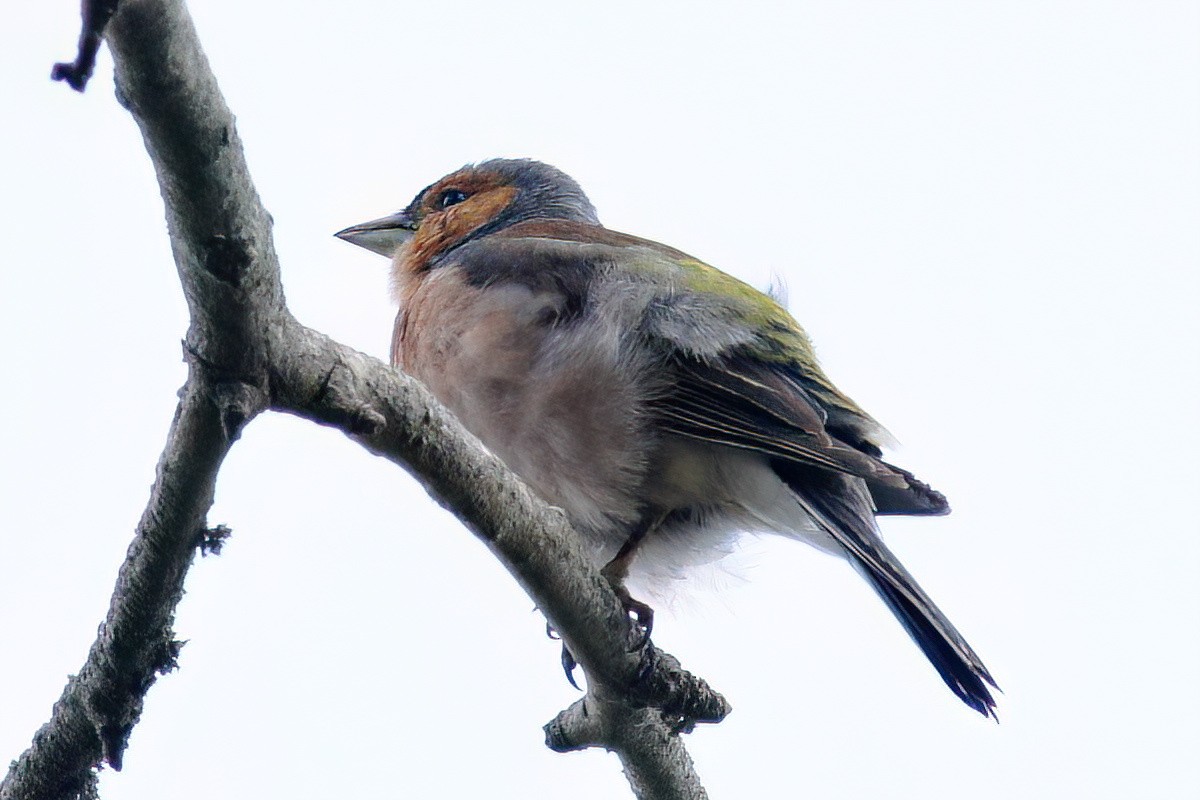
383	236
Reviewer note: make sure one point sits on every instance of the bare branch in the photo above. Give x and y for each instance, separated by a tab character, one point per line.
247	354
100	705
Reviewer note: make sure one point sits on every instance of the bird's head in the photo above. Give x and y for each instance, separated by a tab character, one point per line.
472	202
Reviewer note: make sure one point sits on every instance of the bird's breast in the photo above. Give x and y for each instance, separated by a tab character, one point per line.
561	398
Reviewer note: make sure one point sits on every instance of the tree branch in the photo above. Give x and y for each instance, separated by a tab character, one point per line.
99	707
246	354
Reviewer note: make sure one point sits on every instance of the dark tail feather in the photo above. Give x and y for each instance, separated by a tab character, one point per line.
841	505
967	678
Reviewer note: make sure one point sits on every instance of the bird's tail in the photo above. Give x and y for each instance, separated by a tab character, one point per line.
952	657
842	507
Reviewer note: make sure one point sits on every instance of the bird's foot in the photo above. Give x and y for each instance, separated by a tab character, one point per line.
617	570
640	614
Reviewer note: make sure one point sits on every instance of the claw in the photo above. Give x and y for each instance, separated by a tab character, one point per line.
569	664
568	661
641	614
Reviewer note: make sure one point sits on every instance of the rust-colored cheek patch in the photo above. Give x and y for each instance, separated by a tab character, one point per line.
442	230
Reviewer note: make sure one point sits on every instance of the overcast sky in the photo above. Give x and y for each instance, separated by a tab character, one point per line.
986	216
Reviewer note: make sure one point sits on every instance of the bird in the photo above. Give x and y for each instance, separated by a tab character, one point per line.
663	404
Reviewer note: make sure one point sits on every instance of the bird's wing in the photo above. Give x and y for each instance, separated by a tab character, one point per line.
745	375
735	401
743	372
744	403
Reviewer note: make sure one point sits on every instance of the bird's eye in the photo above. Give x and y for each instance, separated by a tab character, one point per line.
451	197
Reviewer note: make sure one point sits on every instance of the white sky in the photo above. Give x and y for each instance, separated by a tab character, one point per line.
986	214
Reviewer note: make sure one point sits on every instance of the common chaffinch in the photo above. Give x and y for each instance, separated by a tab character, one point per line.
663	404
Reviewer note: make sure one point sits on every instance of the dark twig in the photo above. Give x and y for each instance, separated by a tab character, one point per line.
96	14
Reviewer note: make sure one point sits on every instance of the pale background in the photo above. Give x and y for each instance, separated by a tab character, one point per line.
986	215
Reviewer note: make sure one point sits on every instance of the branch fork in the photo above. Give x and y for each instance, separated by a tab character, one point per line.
247	354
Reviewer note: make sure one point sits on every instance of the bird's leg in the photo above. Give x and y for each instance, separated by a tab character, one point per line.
617	570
